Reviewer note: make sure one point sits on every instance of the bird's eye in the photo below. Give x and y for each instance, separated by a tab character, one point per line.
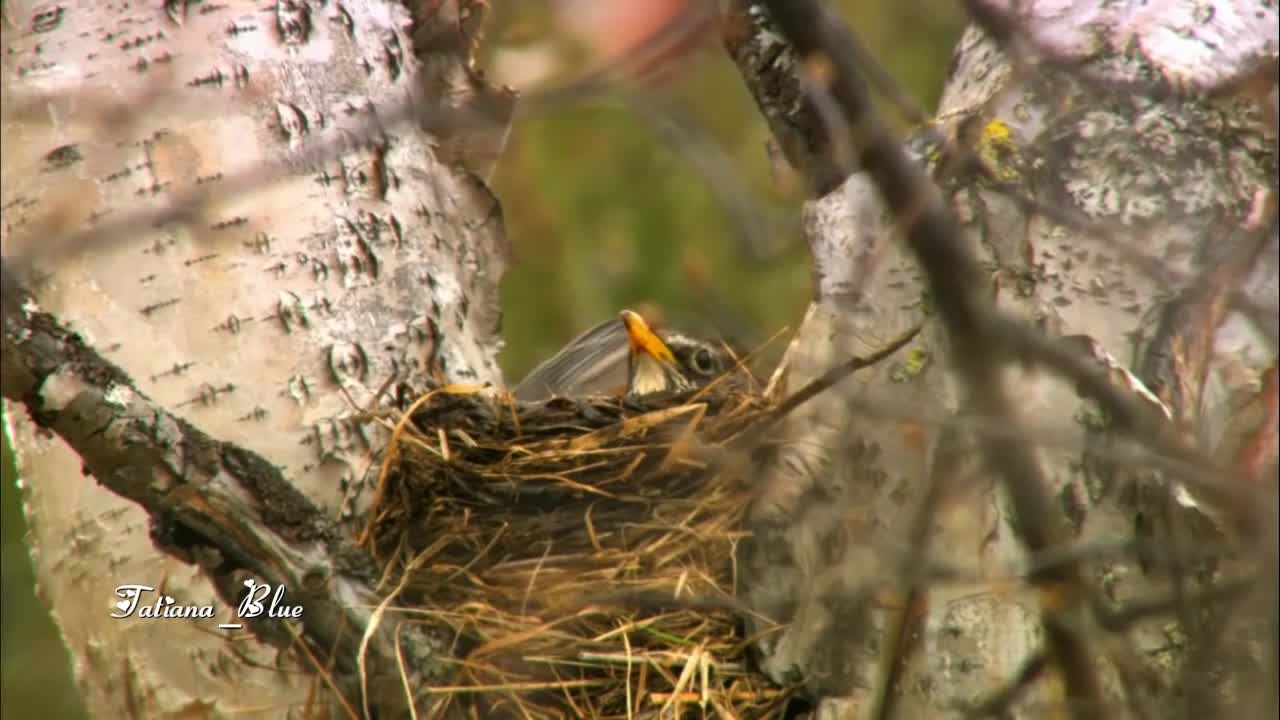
704	362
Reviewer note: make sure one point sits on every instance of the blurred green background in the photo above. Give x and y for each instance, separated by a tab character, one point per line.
602	213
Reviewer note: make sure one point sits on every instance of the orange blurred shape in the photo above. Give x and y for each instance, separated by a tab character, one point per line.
640	40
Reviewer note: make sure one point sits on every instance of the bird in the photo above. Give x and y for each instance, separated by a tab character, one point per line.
625	356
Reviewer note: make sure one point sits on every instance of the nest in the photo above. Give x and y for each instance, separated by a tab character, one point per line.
580	550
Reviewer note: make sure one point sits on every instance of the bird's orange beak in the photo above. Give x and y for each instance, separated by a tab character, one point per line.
644	339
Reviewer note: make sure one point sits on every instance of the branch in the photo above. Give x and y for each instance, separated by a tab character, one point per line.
1119	619
214	504
933	234
771	71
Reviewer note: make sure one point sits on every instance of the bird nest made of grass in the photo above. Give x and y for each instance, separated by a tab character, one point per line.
581	551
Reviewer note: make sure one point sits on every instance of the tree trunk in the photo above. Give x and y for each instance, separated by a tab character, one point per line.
248	229
919	575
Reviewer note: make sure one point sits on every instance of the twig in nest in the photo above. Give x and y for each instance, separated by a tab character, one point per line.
600	513
393	443
833	376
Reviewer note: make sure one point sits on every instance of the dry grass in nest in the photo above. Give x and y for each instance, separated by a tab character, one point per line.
553	539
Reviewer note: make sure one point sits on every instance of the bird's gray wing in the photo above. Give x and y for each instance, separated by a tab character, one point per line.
594	363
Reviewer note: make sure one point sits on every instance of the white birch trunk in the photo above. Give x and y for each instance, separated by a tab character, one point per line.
260	316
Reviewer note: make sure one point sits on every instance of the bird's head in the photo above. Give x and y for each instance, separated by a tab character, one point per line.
675	364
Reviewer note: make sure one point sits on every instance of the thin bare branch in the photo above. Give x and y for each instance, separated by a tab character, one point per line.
932	232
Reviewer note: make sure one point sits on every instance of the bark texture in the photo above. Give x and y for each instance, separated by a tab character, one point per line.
891	533
223	198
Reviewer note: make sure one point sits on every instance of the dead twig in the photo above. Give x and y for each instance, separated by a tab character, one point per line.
932	232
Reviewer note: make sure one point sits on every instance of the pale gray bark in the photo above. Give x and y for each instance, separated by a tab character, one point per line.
333	250
883	536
